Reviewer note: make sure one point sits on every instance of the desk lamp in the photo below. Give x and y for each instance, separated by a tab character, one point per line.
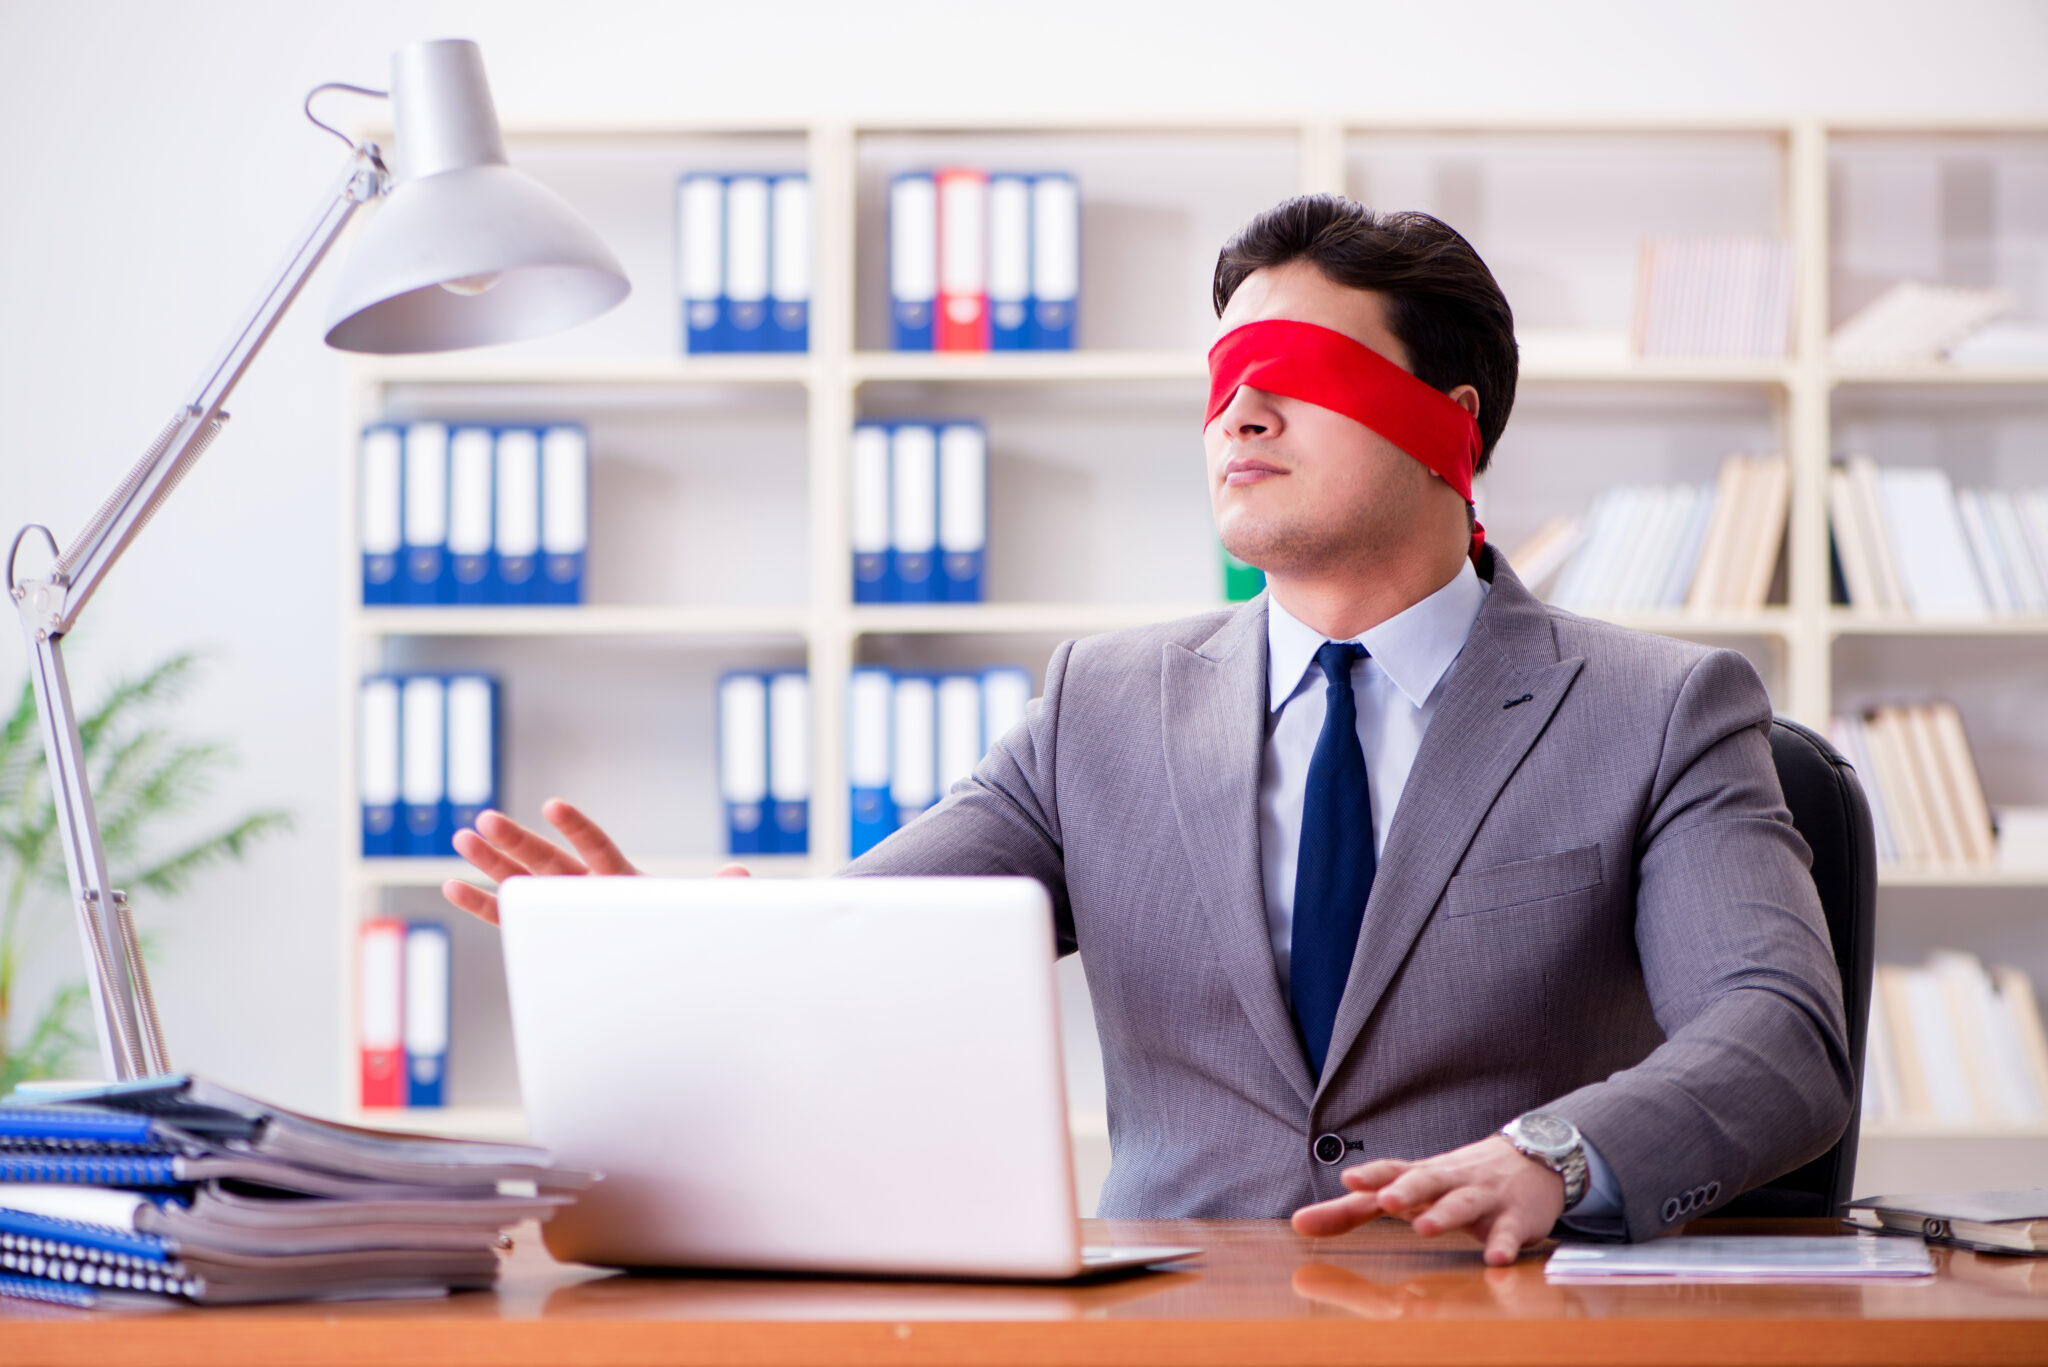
464	252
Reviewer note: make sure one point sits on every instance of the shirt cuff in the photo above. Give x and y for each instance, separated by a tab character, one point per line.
1599	1210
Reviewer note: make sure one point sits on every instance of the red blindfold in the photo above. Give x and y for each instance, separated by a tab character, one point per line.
1326	368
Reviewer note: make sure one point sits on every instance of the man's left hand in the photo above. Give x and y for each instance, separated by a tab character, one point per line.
1507	1199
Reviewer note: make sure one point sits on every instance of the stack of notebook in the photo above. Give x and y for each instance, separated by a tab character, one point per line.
180	1188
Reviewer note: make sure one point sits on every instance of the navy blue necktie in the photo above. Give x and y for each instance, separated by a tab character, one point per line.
1333	872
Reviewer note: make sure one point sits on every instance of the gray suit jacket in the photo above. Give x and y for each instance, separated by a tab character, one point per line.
1591	900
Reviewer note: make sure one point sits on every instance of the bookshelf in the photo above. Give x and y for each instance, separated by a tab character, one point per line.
719	484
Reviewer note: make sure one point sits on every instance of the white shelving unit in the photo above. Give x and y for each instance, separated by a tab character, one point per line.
719	536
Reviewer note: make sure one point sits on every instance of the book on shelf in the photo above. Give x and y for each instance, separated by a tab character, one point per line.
1699	297
2003	342
983	260
403	1012
427	760
1927	802
919	511
910	736
1953	1043
176	1188
743	261
1914	322
764	755
1667	548
1908	541
470	515
2023	839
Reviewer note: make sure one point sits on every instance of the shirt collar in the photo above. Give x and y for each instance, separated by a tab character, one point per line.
1415	647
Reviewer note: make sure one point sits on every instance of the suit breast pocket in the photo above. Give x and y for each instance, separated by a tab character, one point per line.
1523	882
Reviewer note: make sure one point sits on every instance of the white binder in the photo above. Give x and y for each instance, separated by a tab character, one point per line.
870	698
914	511
700	260
913	260
427	982
516	534
422	775
426	513
913	778
564	513
789	759
472	748
963	511
743	761
1009	262
1005	693
379	513
377	767
746	263
470	472
870	514
789	267
1055	261
959	728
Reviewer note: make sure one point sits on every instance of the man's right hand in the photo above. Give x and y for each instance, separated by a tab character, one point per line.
501	848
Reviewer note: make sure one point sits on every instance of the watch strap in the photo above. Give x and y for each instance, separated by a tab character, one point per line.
1571	1167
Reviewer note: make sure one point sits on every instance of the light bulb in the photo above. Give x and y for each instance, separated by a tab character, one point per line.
473	284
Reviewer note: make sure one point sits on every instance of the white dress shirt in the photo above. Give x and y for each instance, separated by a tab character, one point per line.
1397	687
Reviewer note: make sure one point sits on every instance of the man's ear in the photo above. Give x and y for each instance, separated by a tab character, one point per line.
1467	398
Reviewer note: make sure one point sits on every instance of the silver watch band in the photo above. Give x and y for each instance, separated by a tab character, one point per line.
1569	1163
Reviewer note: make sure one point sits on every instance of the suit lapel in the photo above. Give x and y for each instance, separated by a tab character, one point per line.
1212	701
1473	745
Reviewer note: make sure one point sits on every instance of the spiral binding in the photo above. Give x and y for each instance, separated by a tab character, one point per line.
165	1280
111	1170
52	1293
26	1231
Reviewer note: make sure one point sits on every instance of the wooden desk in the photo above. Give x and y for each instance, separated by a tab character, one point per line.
1260	1295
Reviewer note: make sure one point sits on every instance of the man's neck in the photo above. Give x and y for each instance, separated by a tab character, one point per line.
1344	605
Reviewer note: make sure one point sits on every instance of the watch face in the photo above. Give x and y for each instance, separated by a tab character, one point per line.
1546	1133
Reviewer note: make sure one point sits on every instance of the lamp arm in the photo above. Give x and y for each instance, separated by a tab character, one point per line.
130	1038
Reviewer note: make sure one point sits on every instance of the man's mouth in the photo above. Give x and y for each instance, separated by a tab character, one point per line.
1249	470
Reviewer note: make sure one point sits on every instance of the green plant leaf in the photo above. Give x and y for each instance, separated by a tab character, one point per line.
163	684
142	773
171	876
57	1034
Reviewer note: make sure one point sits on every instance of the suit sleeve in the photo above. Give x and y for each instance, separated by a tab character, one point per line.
1003	820
1754	1076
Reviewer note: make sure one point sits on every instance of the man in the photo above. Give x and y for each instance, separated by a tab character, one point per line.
1394	860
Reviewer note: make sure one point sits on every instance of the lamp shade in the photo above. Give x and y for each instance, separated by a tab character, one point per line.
464	251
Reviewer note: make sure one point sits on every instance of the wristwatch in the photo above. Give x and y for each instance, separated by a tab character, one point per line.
1554	1142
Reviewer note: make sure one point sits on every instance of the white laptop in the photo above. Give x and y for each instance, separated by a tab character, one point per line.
850	1075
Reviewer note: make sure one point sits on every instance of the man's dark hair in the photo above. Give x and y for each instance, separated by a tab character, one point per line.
1442	302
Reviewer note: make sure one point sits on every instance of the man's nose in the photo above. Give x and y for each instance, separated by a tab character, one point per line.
1250	413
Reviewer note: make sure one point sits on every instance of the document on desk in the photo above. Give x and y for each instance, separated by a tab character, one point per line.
1739	1257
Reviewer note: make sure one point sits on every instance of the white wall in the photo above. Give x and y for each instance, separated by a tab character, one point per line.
157	163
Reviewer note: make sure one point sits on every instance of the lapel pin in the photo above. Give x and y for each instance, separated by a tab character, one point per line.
1517	702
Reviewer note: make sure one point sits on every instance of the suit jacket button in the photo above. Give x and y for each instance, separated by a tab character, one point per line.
1328	1149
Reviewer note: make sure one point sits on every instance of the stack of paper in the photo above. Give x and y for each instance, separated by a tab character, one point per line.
1926	801
1951	1043
1913	323
1646	548
1741	1257
1908	541
176	1187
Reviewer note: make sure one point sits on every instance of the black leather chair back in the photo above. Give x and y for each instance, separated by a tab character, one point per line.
1830	812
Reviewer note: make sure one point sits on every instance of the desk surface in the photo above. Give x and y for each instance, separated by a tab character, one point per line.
1259	1294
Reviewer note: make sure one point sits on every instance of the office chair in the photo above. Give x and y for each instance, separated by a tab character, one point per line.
1830	812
